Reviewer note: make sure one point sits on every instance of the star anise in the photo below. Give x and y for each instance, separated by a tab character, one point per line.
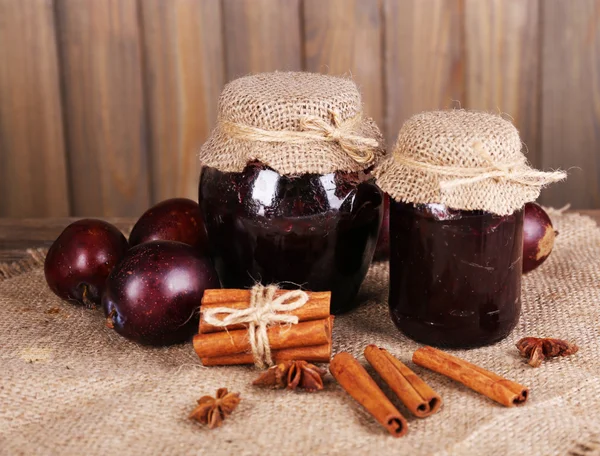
213	411
537	349
293	374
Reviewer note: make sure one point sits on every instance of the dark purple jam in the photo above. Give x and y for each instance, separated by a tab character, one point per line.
314	231
455	276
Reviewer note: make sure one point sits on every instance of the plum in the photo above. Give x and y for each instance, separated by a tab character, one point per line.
538	236
153	295
176	219
81	258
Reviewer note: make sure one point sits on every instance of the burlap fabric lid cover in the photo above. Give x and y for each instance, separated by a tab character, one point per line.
463	159
295	123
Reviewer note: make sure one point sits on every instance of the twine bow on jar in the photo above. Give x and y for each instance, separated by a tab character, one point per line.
516	171
264	310
312	128
359	148
465	160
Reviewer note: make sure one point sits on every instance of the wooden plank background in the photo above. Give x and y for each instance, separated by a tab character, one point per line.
103	104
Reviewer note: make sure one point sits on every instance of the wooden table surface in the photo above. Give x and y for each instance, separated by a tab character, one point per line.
18	235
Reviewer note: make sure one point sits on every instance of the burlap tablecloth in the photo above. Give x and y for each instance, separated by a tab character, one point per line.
68	385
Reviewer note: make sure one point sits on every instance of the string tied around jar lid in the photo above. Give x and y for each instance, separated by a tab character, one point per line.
313	128
517	171
264	310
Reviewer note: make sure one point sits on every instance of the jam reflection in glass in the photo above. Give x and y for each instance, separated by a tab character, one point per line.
316	231
455	276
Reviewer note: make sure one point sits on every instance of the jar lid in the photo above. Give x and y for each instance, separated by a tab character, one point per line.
463	159
293	122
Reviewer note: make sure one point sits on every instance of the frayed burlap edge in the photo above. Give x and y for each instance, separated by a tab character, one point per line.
467	160
501	198
35	259
266	117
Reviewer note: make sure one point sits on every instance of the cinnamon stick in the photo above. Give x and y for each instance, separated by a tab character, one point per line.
359	384
499	389
313	354
316	308
307	333
414	393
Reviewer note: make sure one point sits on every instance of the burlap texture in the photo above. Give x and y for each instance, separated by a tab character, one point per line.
460	140
279	101
68	385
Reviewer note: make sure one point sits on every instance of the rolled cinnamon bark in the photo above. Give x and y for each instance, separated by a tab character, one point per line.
359	384
499	389
313	354
316	308
308	333
414	393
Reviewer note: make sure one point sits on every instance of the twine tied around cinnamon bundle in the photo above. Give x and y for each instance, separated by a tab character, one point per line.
312	128
264	310
516	171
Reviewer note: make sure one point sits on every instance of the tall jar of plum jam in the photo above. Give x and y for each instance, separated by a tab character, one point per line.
458	182
285	188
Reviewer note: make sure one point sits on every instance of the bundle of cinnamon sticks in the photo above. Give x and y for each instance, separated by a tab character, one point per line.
309	339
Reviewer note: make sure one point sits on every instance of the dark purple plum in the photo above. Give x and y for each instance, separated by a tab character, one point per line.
153	295
538	236
81	258
176	219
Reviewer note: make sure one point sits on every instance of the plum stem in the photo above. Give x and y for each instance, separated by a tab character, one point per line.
109	320
87	301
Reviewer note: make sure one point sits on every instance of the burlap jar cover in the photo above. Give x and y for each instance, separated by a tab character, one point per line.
293	122
463	159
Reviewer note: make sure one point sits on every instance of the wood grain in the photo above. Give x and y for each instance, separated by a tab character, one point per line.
423	58
502	39
344	37
33	177
102	81
103	103
184	73
571	100
18	235
262	35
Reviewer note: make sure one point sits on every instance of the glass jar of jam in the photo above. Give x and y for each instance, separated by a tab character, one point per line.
285	188
317	231
458	182
455	274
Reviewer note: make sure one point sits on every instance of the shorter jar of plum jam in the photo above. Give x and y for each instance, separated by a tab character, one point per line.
314	231
458	182
455	275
